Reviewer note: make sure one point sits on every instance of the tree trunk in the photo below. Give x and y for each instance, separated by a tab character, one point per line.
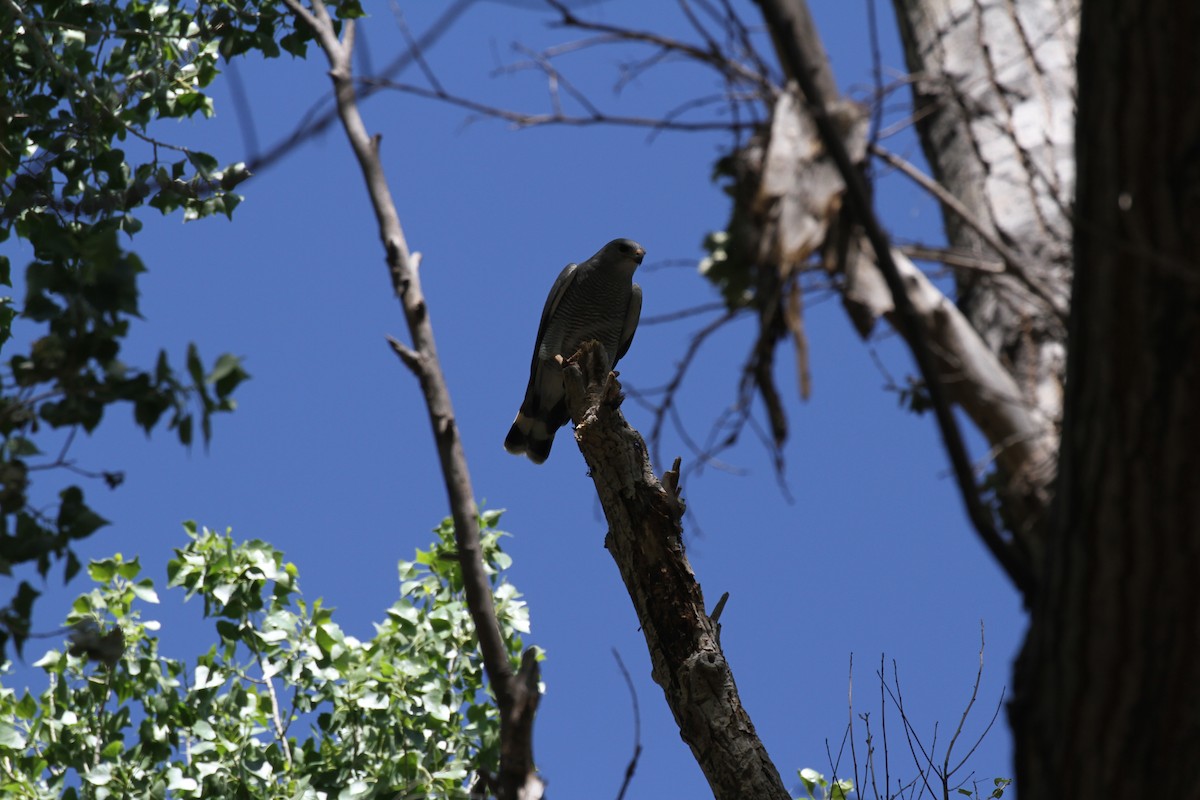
993	100
1107	700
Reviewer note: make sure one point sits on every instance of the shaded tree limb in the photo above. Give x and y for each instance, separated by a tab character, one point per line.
645	538
974	378
516	696
788	19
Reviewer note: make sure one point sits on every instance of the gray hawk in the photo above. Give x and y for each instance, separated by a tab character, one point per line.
593	300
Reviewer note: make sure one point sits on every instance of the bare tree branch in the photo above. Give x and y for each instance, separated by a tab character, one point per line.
712	56
516	696
645	538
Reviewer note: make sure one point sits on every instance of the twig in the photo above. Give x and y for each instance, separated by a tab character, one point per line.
521	119
876	73
414	47
313	124
637	727
677	379
672	316
910	733
952	258
995	714
1015	264
276	720
716	60
850	720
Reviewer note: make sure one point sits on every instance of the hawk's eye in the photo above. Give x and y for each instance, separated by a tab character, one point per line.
625	248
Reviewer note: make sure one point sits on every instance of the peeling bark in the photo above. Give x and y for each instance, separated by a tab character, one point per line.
939	348
994	95
645	538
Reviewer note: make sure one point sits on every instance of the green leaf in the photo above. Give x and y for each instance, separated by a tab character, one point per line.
145	591
177	782
20	447
10	737
100	775
72	567
194	367
75	519
27	707
226	374
102	571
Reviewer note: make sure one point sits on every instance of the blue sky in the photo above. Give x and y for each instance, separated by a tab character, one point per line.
329	456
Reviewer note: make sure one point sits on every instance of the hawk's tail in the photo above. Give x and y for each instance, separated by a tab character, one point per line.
530	437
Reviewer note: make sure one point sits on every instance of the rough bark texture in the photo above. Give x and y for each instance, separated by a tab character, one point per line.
994	99
645	538
1107	699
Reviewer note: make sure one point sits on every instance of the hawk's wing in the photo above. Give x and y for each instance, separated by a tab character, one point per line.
632	314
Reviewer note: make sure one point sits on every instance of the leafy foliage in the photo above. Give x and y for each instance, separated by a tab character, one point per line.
816	787
284	705
81	86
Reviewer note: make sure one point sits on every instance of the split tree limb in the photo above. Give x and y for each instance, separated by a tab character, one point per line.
645	538
974	378
789	21
516	696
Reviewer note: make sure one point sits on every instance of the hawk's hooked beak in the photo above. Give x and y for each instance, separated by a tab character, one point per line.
639	254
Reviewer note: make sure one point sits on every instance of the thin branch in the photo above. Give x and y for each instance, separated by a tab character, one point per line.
962	720
276	720
521	119
1015	264
850	721
716	60
637	727
414	47
684	313
887	772
677	379
910	733
241	108
313	123
516	699
876	73
958	259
